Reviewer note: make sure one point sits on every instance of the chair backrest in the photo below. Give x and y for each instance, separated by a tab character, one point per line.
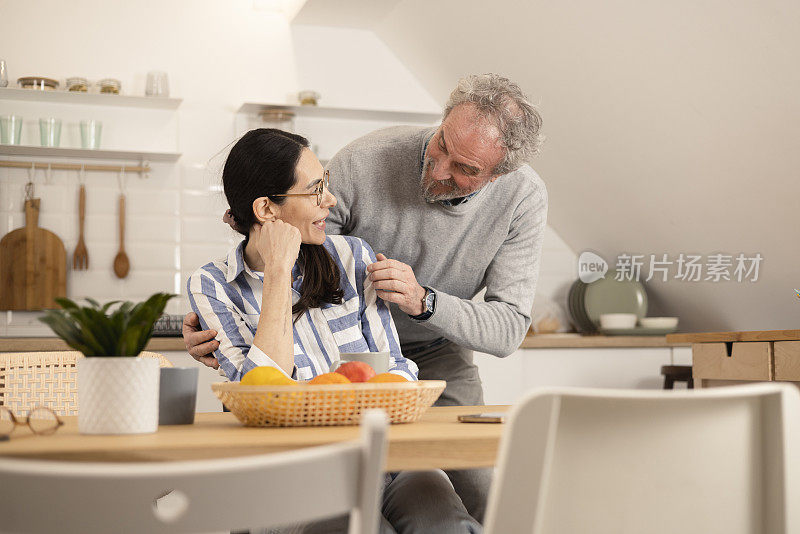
722	460
211	495
29	379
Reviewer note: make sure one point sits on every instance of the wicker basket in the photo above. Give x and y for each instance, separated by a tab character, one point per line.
327	405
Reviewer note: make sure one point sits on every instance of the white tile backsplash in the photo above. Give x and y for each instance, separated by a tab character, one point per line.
197	202
154	201
194	256
146	283
100	200
199	177
158	215
207	230
162	229
153	256
99	283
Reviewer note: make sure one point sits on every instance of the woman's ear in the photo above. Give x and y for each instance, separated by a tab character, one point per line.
265	210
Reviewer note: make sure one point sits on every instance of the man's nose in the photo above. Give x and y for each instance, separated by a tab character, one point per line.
440	171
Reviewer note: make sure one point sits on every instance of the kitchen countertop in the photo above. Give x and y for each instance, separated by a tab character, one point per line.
580	341
720	337
39	344
531	341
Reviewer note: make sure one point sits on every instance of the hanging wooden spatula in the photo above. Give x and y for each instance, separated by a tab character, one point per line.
80	258
121	263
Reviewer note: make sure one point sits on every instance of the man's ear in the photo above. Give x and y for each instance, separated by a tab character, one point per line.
265	210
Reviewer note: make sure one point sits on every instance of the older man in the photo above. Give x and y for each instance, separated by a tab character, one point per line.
451	210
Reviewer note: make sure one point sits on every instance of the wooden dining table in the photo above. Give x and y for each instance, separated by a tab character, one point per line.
437	440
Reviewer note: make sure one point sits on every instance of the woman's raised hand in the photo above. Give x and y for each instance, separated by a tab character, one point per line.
278	244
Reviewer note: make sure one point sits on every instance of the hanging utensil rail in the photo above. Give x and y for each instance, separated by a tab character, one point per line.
142	168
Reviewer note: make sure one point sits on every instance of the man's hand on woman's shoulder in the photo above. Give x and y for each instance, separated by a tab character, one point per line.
200	343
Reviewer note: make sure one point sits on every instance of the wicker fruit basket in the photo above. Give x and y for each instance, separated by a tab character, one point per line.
327	405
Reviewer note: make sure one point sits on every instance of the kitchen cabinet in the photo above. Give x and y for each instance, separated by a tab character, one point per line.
727	358
506	380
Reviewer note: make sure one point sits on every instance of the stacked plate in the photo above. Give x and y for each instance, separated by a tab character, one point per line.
586	302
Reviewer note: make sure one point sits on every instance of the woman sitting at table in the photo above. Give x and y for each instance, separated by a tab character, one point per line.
315	301
288	296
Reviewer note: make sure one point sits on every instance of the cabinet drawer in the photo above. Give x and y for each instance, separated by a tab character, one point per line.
747	361
787	360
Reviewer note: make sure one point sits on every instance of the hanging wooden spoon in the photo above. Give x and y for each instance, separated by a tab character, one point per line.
121	263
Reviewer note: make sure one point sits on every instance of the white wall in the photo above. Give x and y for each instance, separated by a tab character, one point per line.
672	127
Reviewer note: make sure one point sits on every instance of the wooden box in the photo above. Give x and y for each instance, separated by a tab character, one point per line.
787	360
717	364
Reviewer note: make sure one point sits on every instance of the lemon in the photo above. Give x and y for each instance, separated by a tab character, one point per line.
266	376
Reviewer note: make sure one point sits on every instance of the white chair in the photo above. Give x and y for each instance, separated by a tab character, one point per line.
226	494
723	460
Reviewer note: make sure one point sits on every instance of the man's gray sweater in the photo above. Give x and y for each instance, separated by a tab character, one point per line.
494	240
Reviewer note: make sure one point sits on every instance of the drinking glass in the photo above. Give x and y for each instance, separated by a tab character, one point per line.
90	134
10	129
3	73
50	131
157	84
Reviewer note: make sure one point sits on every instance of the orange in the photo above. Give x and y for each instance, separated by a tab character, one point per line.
329	378
266	376
388	377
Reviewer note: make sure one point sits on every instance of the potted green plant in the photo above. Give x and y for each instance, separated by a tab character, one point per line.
117	392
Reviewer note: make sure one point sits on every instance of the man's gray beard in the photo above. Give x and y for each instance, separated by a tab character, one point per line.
427	187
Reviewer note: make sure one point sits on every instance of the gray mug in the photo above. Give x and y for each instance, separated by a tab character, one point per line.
177	395
377	360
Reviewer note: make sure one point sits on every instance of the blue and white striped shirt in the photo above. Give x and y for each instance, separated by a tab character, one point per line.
226	295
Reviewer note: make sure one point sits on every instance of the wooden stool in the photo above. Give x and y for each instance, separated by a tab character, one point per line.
677	373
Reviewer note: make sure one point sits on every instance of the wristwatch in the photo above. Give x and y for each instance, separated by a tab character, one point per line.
428	303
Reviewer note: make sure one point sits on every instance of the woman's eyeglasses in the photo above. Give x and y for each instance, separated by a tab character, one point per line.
41	420
319	191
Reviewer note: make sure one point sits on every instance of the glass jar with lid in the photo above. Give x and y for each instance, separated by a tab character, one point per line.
279	118
308	98
77	85
109	86
39	83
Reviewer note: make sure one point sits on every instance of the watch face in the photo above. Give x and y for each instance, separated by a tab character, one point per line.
429	300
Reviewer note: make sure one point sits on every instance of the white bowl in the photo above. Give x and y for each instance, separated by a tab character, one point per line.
659	322
618	320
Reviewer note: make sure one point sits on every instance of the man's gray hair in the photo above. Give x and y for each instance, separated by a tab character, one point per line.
503	103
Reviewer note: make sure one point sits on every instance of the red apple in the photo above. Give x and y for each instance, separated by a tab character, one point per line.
356	371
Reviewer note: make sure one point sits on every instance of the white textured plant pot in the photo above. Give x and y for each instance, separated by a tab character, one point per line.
118	395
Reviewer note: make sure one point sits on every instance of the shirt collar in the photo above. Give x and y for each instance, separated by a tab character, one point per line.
453	201
235	261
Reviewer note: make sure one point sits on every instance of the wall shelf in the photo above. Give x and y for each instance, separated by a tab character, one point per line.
89	99
58	152
321	112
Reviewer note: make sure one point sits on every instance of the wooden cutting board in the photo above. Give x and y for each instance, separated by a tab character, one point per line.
33	265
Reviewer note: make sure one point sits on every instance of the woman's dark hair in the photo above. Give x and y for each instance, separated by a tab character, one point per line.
261	164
